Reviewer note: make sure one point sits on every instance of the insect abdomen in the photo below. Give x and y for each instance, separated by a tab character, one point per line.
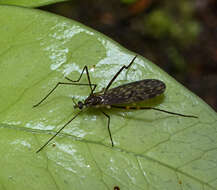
134	92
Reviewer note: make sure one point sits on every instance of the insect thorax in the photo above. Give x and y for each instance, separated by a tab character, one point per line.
93	100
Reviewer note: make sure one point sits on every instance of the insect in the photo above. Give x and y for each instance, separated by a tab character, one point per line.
114	97
116	188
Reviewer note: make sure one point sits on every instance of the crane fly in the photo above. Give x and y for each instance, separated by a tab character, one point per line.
114	97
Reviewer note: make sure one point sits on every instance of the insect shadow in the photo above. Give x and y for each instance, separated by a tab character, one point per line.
124	113
114	98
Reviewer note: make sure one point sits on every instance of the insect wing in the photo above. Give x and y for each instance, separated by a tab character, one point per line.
134	92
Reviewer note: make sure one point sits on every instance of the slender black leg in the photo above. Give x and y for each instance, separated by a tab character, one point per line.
58	132
116	75
72	82
94	85
109	127
59	83
88	77
151	108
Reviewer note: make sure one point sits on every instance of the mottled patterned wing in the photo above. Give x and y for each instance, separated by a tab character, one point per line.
134	92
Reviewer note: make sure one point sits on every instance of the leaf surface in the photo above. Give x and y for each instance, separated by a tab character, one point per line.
153	150
30	3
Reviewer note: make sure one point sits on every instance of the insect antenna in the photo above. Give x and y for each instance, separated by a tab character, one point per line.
151	108
45	144
74	102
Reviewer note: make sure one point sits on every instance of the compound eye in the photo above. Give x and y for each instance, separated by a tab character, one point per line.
80	105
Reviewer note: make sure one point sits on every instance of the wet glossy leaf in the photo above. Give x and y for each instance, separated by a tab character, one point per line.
152	150
29	3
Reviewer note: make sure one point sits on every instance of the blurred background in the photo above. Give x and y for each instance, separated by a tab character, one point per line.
178	36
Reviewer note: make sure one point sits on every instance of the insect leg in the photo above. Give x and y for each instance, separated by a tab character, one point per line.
116	75
151	108
58	132
60	83
94	85
88	78
109	127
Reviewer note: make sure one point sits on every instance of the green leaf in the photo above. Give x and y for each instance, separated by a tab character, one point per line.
29	3
153	150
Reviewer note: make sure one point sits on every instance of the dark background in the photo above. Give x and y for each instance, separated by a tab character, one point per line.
179	36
